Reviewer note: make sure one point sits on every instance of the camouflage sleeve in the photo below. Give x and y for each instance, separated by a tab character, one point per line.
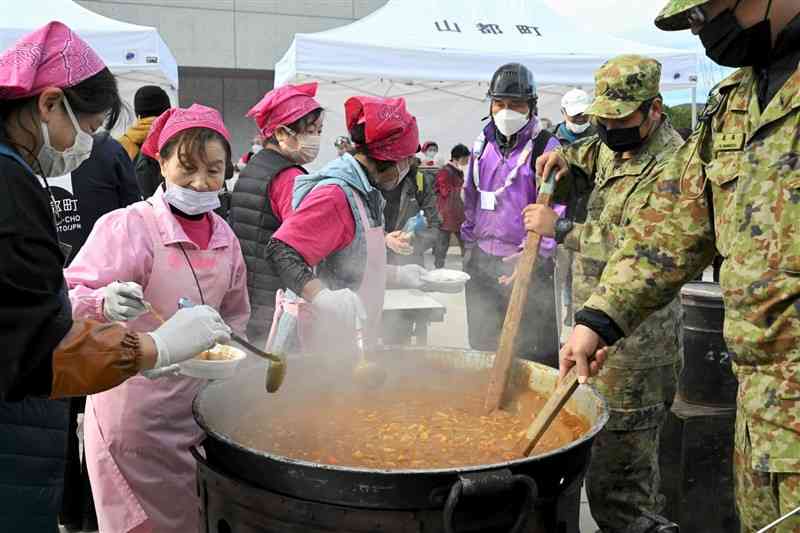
599	239
594	239
572	240
667	243
583	154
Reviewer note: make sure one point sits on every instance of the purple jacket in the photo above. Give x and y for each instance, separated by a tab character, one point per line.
501	232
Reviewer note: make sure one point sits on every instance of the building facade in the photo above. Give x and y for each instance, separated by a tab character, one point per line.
227	49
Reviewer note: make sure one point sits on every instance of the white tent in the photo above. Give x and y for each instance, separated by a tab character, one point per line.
440	55
135	54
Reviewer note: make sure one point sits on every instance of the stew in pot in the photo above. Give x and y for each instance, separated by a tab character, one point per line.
405	426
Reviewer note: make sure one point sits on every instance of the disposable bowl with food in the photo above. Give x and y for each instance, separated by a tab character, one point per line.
220	368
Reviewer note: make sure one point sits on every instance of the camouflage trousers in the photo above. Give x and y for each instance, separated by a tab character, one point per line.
762	497
623	481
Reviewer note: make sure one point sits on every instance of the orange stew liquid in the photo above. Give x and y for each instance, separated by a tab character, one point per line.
405	427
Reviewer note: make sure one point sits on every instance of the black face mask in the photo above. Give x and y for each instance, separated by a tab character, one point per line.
730	45
621	139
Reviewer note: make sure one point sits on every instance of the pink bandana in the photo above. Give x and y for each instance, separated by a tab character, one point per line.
175	120
52	56
390	131
284	105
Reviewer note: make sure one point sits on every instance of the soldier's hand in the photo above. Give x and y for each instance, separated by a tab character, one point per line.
546	163
585	349
540	219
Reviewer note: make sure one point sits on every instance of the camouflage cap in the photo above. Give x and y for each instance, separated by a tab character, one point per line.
674	16
622	84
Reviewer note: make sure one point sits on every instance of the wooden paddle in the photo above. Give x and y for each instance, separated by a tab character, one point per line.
516	305
557	400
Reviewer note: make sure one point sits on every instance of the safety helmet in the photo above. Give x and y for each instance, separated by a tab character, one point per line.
513	80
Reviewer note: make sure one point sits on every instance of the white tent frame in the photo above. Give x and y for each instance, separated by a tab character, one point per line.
137	55
384	54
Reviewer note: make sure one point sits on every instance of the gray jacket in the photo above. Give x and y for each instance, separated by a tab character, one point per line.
414	199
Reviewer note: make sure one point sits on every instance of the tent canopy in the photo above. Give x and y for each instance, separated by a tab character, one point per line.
135	54
441	54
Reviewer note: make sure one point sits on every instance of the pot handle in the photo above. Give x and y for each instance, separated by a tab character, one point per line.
485	483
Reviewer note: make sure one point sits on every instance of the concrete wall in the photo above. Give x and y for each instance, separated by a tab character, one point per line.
233	92
226	49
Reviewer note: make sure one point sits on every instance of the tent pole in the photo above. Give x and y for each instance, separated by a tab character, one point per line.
694	107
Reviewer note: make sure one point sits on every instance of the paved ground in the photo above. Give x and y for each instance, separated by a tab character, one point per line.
453	332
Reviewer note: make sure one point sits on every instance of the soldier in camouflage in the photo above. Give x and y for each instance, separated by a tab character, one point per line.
640	378
734	187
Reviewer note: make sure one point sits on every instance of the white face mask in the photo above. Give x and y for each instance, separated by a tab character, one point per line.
509	122
190	201
55	163
309	148
431	154
578	128
402	169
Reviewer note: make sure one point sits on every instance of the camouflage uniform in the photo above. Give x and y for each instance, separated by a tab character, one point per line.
640	378
734	186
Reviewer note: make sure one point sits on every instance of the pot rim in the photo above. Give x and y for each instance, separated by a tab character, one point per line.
590	434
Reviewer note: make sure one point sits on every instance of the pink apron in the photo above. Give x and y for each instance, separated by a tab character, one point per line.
138	435
373	286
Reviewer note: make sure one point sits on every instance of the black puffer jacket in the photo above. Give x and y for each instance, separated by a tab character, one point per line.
34	316
33	441
253	221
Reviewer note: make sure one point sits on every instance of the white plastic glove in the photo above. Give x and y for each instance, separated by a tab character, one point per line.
167	371
343	306
123	301
408	277
187	333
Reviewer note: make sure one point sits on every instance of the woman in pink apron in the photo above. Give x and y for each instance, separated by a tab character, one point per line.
330	252
138	435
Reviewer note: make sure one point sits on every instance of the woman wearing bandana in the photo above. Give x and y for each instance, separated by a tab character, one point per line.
173	245
54	93
331	251
290	121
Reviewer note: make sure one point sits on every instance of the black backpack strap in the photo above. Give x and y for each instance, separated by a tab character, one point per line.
539	145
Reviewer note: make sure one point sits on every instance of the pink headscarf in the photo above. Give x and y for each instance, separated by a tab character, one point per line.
52	56
175	120
284	105
390	131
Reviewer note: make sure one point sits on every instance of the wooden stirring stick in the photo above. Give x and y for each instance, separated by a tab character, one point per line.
554	404
516	305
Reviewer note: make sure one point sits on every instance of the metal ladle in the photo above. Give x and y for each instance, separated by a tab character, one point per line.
366	373
276	372
277	364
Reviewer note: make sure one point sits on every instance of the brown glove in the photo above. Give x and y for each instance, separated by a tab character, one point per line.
94	357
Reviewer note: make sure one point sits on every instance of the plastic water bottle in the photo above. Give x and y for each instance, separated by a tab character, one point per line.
415	224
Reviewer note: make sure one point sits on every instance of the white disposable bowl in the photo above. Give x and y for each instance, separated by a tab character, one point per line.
223	369
445	280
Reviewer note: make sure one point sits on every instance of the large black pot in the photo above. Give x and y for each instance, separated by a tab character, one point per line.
544	477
